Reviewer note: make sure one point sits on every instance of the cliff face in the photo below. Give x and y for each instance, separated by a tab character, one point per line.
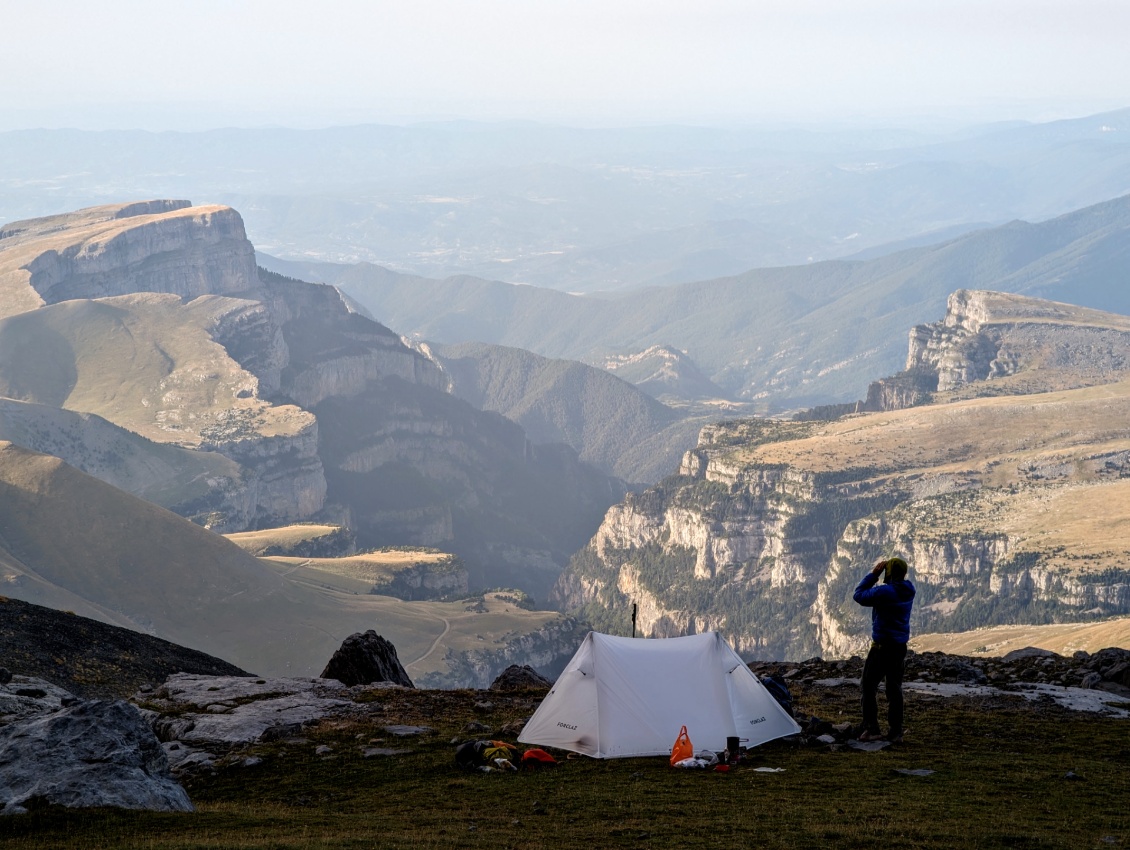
994	342
323	412
148	247
768	526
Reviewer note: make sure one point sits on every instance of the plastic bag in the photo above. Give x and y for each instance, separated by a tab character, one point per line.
682	748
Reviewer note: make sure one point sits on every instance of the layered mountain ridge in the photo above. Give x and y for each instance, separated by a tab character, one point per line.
1003	484
154	317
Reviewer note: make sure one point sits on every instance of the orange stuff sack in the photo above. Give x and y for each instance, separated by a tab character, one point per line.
682	749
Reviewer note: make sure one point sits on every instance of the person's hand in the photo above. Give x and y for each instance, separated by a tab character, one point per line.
878	568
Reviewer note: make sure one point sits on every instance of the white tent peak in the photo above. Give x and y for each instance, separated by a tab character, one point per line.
621	697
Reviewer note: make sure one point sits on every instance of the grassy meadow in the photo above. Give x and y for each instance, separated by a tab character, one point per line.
1000	780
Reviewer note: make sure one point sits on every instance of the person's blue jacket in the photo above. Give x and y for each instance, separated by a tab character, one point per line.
890	606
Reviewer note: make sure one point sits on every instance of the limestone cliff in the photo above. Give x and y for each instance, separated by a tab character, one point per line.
154	316
154	246
994	342
1009	500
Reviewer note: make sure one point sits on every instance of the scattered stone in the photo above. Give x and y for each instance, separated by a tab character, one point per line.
475	728
18	703
919	771
1091	680
277	708
869	746
323	750
826	739
1029	652
366	657
251	761
409	731
97	753
513	728
484	706
518	677
372	752
280	732
1072	775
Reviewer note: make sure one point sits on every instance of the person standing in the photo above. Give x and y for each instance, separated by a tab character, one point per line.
890	604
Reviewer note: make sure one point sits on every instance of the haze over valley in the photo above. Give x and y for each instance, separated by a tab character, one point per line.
480	340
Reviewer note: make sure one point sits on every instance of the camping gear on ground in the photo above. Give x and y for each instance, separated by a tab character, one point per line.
682	748
475	755
620	697
777	686
535	759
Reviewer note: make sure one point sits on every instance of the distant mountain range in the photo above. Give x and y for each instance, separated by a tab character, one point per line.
783	338
583	210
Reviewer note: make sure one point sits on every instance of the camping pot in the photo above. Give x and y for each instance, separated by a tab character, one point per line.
733	744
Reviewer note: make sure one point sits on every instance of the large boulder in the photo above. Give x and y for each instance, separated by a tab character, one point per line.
364	658
90	754
516	677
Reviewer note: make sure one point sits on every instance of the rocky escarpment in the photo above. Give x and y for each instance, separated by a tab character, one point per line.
996	501
326	413
334	352
987	338
719	547
154	246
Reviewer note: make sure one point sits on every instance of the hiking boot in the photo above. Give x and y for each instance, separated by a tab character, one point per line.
896	737
867	737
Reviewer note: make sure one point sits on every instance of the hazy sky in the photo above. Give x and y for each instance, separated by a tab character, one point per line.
193	63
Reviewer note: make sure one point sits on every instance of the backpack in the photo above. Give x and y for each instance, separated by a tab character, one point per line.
780	691
471	755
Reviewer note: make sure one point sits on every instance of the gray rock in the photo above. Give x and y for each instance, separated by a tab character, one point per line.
184	760
409	731
366	657
24	697
518	677
1028	652
1091	680
869	746
96	753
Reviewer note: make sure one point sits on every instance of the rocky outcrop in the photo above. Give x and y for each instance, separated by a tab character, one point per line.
364	658
187	251
519	677
89	754
986	336
548	648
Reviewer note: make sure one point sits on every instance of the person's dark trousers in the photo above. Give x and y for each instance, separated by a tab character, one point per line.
884	661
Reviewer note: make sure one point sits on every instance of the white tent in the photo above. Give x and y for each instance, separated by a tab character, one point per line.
622	697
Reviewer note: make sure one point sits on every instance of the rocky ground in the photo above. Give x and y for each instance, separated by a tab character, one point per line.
209	725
